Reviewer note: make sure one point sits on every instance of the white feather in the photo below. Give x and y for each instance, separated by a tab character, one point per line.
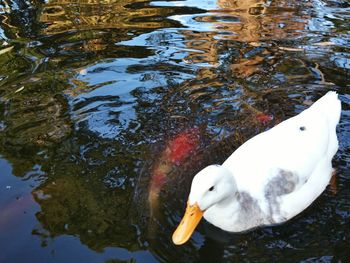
303	145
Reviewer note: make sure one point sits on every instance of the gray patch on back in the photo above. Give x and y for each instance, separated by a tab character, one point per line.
283	183
250	214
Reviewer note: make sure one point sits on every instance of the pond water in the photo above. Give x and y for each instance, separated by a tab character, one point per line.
108	109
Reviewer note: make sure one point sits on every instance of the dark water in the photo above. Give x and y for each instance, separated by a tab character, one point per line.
104	102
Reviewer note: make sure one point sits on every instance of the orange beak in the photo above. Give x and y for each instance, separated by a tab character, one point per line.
188	224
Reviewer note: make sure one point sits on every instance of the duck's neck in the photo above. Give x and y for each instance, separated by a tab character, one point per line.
236	213
225	213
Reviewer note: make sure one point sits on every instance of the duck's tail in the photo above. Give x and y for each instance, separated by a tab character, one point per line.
330	106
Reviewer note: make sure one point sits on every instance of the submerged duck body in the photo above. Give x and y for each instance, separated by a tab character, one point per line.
269	179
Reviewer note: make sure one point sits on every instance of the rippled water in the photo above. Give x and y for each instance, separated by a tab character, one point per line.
108	109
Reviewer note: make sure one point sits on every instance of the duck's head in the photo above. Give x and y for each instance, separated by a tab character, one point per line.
211	186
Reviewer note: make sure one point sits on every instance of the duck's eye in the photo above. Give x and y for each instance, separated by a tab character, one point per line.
211	188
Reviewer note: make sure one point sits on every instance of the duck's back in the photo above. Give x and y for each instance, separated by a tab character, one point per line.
295	146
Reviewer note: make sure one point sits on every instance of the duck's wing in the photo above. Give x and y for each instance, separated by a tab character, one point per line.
298	151
296	201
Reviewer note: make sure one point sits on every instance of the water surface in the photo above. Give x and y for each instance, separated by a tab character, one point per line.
109	108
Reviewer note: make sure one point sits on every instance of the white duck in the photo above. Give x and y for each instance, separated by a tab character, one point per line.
269	179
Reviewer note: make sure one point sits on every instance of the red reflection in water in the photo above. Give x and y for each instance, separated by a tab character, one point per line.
263	118
14	210
176	151
182	145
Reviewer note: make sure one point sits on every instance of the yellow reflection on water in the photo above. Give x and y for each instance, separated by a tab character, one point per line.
62	16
